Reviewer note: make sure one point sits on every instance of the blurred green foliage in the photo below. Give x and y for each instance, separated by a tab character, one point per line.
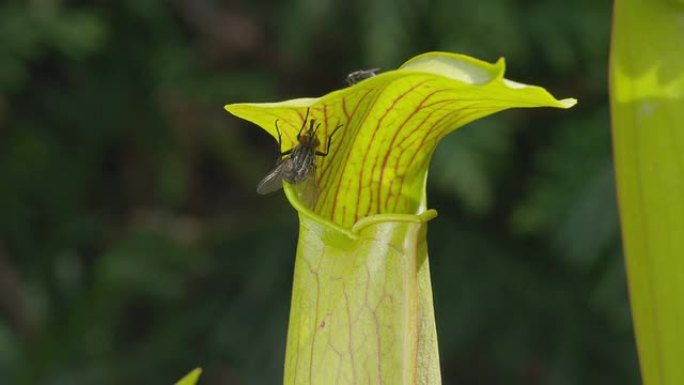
133	247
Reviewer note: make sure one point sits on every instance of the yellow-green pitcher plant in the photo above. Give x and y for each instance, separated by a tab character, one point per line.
647	111
362	310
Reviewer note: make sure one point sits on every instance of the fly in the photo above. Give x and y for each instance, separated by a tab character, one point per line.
360	75
297	163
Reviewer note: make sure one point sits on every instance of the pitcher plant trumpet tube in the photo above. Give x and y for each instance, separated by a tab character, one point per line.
362	309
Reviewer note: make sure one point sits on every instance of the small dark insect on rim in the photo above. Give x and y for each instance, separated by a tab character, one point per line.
360	75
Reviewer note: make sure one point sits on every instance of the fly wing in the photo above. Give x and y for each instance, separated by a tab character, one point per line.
273	181
308	191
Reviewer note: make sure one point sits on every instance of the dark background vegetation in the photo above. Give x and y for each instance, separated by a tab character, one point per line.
133	246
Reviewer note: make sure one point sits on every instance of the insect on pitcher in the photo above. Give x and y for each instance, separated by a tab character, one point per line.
298	163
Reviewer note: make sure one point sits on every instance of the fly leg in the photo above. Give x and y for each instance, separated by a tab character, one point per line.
327	145
306	117
280	142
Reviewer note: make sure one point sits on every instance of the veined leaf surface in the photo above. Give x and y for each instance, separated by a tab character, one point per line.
362	308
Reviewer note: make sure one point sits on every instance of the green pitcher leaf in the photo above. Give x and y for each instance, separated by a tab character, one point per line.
362	308
647	112
190	378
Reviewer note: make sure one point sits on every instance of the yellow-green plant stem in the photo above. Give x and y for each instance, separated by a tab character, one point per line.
362	303
647	106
